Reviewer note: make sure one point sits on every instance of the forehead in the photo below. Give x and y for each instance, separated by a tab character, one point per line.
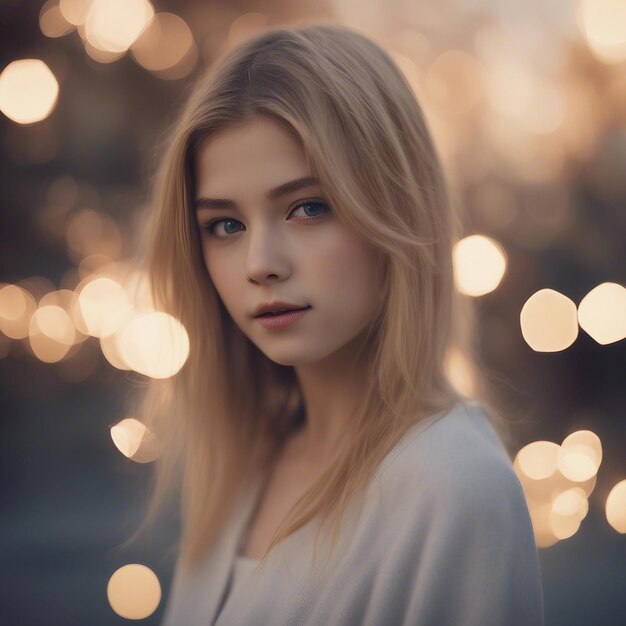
255	151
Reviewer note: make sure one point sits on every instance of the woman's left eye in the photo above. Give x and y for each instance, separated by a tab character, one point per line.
310	203
211	226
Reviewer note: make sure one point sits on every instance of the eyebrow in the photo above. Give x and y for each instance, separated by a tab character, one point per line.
273	194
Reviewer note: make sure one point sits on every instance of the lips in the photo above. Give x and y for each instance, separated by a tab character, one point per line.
278	312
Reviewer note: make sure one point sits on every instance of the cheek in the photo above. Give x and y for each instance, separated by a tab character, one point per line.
222	275
348	268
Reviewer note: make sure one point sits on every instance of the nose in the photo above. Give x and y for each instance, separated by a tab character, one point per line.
267	257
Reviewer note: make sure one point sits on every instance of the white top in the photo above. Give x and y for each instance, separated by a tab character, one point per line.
443	538
234	594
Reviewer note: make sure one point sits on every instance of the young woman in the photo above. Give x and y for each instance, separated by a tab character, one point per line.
301	176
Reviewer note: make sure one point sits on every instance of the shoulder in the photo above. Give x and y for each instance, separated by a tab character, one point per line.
453	461
447	510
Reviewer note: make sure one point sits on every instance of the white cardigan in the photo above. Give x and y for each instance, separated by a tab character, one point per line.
443	538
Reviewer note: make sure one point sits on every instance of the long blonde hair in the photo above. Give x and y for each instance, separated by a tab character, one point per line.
224	416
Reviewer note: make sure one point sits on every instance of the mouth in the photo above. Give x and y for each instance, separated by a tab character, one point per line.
282	312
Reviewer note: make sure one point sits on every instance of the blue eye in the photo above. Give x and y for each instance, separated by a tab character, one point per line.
311	203
210	226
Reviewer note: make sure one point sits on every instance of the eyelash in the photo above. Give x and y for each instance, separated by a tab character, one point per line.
210	226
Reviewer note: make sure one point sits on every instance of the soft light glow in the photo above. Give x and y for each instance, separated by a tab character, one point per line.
16	308
47	350
571	502
51	20
459	372
603	23
28	91
113	25
55	323
557	505
580	455
564	526
154	344
538	460
510	86
454	81
134	591
549	321
137	286
588	485
164	43
110	342
135	441
149	448
91	233
75	11
551	114
102	56
12	302
181	69
616	507
602	313
51	333
479	265
103	302
127	435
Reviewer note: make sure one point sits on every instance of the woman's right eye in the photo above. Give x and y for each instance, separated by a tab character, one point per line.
210	227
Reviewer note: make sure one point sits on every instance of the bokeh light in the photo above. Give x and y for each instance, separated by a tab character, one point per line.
571	502
164	44
28	91
51	333
16	308
454	81
603	23
459	372
67	299
134	591
75	11
549	321
113	25
538	459
54	322
127	435
527	113
616	507
580	455
135	441
557	482
602	313
52	22
479	265
103	303
90	233
154	344
564	526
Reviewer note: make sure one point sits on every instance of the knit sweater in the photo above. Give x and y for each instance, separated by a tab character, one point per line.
442	537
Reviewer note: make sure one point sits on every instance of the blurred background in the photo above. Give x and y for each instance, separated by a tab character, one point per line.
527	104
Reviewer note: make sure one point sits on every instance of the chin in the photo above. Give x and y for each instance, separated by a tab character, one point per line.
291	357
284	359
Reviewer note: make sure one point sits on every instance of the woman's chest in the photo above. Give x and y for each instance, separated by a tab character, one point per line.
286	484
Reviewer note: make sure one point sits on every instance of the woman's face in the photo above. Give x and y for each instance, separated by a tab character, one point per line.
261	247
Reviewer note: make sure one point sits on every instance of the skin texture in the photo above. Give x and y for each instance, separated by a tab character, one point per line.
269	250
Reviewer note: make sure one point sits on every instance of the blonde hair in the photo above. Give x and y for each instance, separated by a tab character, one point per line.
224	416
